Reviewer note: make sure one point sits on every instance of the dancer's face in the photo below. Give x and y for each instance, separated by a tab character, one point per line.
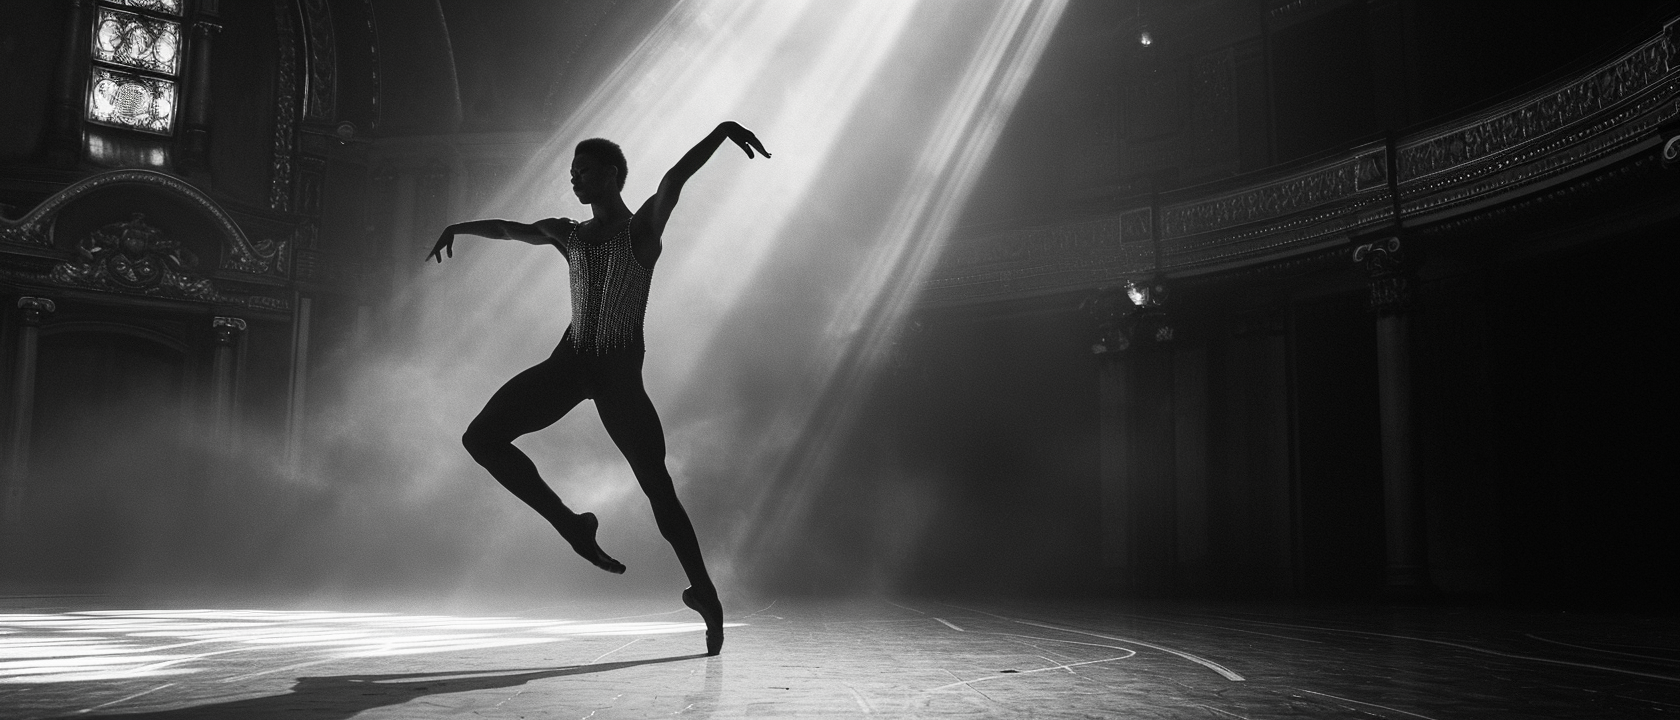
592	180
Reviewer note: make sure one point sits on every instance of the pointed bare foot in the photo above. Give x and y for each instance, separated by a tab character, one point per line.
711	610
582	539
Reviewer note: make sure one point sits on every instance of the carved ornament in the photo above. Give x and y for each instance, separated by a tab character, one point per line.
1316	186
285	108
227	329
134	257
35	309
1388	271
1538	115
322	86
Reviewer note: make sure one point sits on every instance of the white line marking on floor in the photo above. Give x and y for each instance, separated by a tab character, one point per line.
260	673
125	699
1204	662
1471	648
1222	712
902	607
1668	661
861	703
616	649
1068	667
1362	702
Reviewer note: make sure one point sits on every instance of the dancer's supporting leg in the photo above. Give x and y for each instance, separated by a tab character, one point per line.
633	423
532	400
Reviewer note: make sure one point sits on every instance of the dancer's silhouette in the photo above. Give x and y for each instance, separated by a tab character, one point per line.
600	356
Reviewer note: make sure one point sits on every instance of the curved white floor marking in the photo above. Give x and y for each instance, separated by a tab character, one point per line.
123	699
1471	648
1204	662
1068	667
1221	627
1666	661
903	607
1362	702
1222	712
616	649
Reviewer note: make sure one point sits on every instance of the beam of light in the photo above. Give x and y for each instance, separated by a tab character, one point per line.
127	644
865	322
781	281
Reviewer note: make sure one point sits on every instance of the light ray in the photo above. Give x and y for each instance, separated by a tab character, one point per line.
880	115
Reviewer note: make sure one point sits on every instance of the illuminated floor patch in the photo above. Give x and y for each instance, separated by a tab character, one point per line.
126	644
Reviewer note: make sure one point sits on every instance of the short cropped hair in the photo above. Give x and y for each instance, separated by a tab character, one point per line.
608	152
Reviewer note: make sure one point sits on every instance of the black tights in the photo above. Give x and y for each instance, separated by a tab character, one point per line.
541	395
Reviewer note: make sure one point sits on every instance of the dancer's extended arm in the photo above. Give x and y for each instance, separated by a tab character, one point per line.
542	232
657	209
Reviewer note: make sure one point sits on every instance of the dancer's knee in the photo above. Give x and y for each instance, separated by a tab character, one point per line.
479	440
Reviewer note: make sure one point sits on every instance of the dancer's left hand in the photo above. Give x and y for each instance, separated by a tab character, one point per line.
742	137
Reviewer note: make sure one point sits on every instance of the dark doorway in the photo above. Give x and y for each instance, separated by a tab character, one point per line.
107	454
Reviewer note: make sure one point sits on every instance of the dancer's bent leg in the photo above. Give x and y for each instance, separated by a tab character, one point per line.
531	401
633	423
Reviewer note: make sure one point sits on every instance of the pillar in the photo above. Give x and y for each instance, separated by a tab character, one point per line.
1112	462
33	311
298	384
64	137
195	139
1190	464
224	378
1389	273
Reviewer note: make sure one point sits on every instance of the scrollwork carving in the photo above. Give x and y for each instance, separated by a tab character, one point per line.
1136	226
285	108
227	329
323	61
1388	271
1551	111
134	257
35	309
1339	180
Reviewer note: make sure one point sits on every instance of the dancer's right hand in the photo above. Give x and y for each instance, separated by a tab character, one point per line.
445	244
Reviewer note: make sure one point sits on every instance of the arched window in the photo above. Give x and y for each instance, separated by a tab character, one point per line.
134	80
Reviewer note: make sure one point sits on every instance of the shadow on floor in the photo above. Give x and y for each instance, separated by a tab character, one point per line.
340	697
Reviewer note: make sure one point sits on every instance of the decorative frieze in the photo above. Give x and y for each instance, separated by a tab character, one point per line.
1516	153
285	107
1327	183
322	94
1538	115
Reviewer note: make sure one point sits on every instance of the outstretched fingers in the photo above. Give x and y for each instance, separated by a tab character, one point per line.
445	244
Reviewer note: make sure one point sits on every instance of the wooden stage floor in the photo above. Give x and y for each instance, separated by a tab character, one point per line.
902	658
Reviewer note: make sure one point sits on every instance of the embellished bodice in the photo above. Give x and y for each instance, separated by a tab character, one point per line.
609	293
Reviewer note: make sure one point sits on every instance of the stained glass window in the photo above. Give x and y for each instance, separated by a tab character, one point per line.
172	7
138	42
135	101
136	63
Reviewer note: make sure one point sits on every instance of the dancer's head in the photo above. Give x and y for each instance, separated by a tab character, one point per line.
598	169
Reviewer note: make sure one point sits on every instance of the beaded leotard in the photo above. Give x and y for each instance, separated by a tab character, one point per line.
609	293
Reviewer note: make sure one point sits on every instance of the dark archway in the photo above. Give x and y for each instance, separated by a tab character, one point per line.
110	449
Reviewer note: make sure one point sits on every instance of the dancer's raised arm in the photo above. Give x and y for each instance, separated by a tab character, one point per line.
657	209
542	232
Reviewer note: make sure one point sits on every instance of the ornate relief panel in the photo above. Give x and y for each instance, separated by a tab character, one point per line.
136	256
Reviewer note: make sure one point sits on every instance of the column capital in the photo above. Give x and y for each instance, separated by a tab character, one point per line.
1388	270
35	309
227	329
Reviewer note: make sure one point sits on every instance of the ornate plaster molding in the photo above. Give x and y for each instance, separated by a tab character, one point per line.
1506	159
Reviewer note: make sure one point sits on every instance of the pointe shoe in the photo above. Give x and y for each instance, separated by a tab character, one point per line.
712	613
584	544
